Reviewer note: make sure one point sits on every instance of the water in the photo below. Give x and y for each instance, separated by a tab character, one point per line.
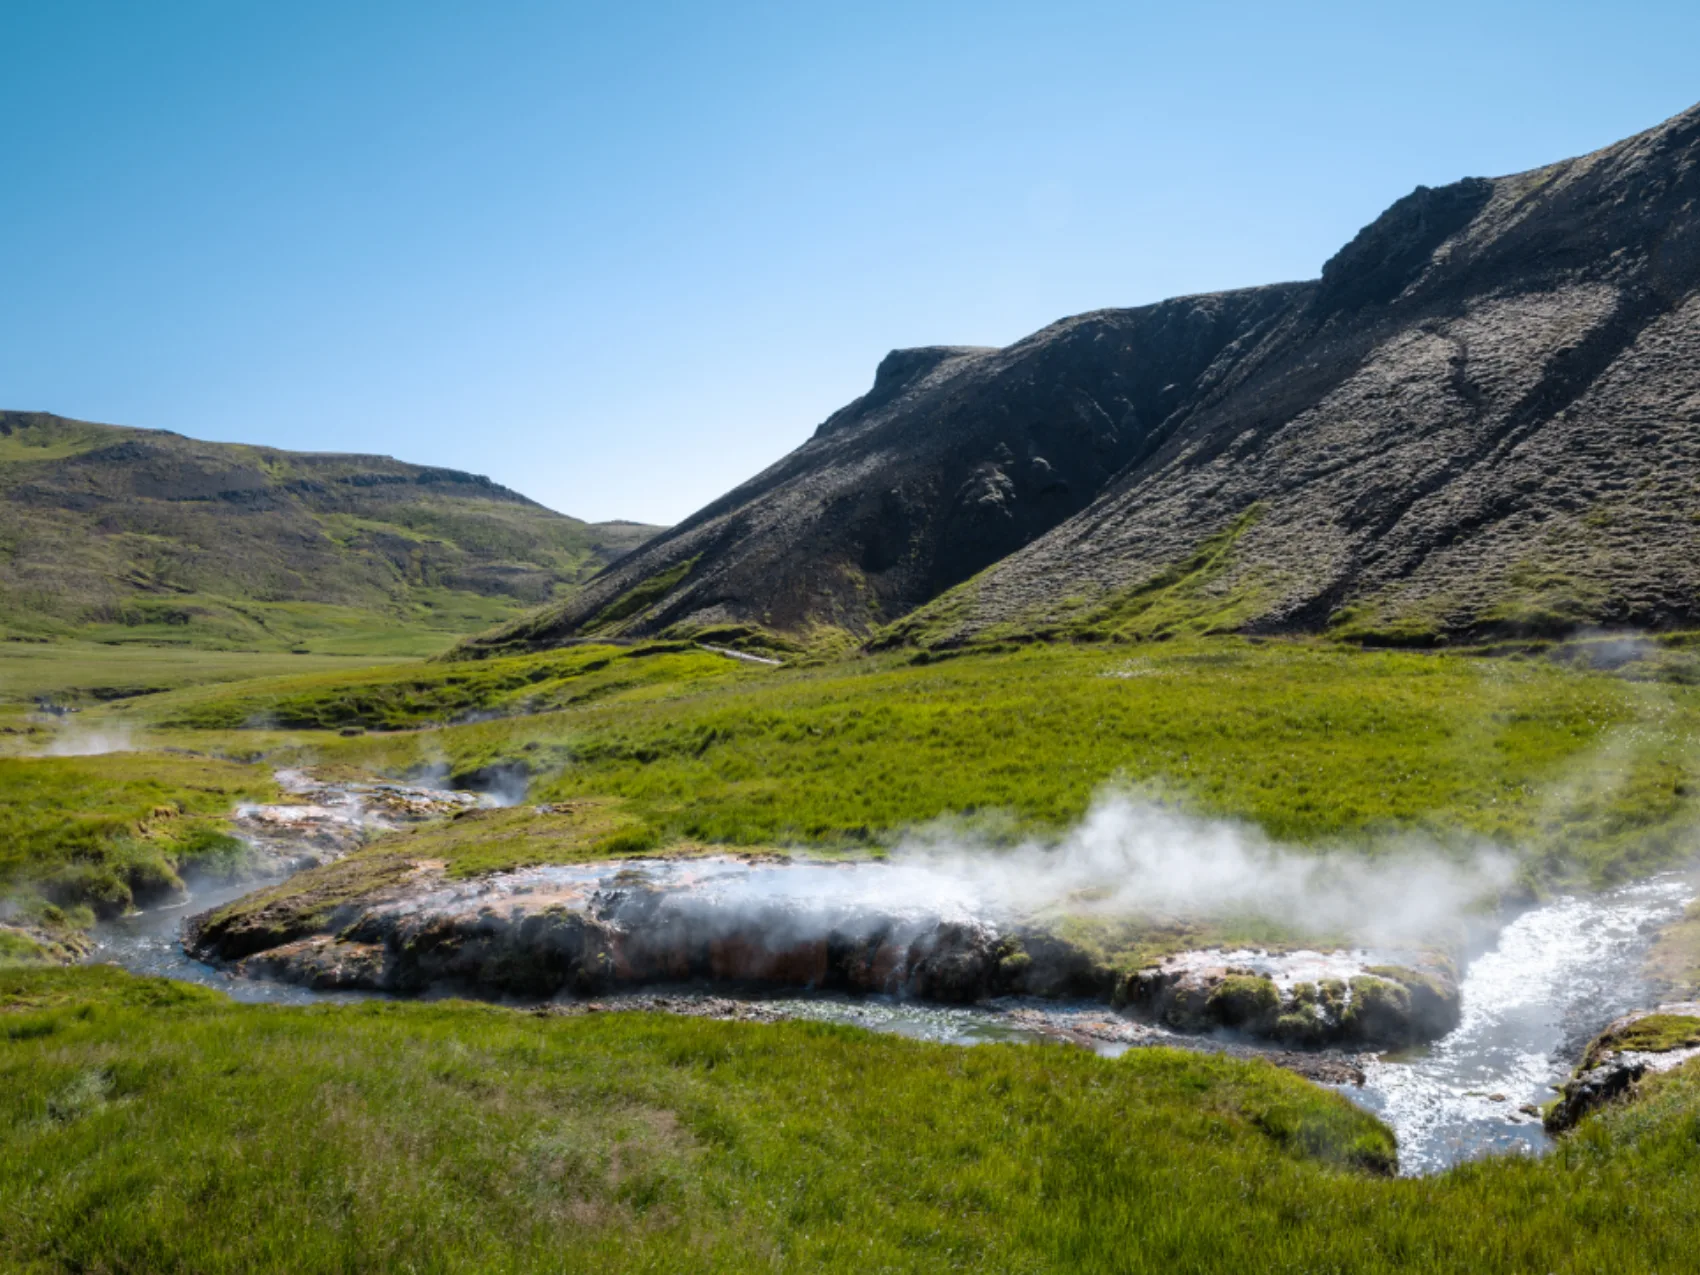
1553	978
1556	976
151	942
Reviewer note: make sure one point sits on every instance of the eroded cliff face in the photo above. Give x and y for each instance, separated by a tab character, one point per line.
1484	416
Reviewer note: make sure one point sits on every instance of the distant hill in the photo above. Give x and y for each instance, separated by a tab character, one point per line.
122	534
1483	418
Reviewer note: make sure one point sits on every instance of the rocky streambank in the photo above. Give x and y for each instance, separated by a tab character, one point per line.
765	922
1646	1042
1304	999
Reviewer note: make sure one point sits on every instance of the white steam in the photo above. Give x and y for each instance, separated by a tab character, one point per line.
1126	859
1129	857
80	741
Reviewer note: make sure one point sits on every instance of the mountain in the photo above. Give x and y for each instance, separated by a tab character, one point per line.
135	534
1483	417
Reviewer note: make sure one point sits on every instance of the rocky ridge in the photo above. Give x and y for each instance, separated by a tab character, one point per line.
1483	417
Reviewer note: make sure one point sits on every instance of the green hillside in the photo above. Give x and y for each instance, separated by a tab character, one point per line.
128	535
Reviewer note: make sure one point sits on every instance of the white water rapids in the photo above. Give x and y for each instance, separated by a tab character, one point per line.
1556	975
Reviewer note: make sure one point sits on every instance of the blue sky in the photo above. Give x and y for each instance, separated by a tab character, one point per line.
621	256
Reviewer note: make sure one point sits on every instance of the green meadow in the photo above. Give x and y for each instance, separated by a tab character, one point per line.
148	1126
1590	775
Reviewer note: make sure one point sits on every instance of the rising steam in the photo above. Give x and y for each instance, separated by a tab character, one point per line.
1126	858
1131	857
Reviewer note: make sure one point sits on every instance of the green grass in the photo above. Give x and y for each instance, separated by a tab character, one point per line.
81	836
416	695
1655	1033
88	672
1587	775
151	1126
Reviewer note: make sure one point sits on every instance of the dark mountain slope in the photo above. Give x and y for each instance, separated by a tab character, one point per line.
955	458
1484	416
129	533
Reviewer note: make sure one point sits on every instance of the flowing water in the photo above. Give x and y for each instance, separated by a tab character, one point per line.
1554	976
151	942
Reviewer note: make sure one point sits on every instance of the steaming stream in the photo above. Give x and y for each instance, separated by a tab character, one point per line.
1555	975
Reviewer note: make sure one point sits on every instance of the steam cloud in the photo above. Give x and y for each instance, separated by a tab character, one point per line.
77	741
1134	858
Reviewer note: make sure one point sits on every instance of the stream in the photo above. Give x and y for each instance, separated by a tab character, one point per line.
1553	977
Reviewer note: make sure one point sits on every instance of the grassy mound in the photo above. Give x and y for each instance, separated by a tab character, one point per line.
397	698
87	836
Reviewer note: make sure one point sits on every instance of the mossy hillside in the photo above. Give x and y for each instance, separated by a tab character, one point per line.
1589	776
640	598
1197	595
139	1119
130	535
85	836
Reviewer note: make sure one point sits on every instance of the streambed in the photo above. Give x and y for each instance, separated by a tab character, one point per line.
1552	978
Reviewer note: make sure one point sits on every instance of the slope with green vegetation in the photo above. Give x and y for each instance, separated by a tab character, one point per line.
130	535
1590	774
147	1125
82	837
1477	422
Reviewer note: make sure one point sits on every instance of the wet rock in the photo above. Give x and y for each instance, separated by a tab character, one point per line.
592	928
323	822
1350	999
1645	1042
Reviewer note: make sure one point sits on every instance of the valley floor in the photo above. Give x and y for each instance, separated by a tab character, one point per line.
153	1126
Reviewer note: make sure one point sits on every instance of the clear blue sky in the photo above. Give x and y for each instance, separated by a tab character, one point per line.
621	256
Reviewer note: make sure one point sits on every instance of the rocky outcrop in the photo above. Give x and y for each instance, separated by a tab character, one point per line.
1482	418
1305	999
399	927
1642	1043
956	457
382	923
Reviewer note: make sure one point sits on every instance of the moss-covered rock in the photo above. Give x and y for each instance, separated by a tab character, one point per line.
1247	1002
1379	1011
1643	1043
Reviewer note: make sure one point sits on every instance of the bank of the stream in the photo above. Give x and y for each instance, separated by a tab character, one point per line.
1528	1001
150	1125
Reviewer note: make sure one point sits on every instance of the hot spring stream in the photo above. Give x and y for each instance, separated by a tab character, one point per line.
1554	976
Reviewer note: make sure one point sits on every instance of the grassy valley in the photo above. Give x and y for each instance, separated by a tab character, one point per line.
139	1117
120	535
